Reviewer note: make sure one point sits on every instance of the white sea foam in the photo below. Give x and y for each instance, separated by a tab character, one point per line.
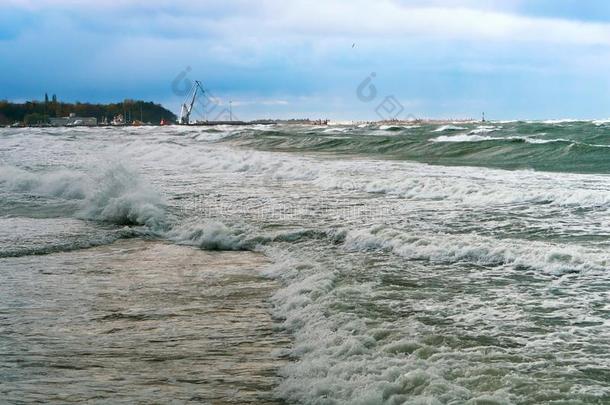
109	193
210	235
60	183
335	130
469	186
465	138
543	141
386	127
121	196
559	121
474	137
485	251
486	193
221	158
347	358
485	129
445	128
406	180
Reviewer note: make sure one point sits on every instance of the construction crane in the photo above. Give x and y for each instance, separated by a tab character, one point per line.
189	101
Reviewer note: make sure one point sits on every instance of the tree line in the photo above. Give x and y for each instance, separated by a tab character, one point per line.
38	112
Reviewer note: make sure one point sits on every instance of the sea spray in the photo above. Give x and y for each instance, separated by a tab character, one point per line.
209	235
122	197
108	192
60	183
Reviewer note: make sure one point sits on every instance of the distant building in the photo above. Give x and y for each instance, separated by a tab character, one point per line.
73	121
118	120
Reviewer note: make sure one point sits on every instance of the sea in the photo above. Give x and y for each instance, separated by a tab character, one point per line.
420	263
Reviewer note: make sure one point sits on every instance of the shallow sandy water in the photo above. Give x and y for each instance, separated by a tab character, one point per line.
138	322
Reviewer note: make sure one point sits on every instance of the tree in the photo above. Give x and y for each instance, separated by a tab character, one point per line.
34	118
38	112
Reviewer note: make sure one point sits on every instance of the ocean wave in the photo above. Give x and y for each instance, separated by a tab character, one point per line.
345	357
122	197
216	235
559	121
336	130
491	193
212	235
472	137
479	250
394	128
484	129
271	166
60	183
109	193
466	138
446	128
544	141
72	244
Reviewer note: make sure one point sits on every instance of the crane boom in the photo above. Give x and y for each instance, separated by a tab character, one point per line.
187	106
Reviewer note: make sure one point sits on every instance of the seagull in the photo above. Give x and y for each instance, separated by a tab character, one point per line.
353	45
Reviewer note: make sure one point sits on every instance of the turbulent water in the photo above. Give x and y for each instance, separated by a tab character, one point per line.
369	264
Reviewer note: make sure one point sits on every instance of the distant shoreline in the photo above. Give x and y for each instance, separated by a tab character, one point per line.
260	122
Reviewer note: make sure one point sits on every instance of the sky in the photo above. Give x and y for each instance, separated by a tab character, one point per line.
336	59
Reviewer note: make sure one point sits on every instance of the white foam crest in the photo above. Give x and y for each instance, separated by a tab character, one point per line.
406	180
473	136
212	136
559	121
445	128
274	166
216	235
386	127
484	194
341	358
484	129
480	250
59	183
543	141
466	186
210	235
466	138
109	193
335	130
121	196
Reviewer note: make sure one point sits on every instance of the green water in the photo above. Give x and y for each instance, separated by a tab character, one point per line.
579	147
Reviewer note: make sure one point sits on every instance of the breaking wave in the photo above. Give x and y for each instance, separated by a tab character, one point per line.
111	193
216	235
479	250
71	244
122	197
446	128
578	147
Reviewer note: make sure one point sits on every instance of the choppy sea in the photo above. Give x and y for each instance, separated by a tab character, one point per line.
342	264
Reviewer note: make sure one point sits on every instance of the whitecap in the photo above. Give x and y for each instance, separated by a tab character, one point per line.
445	128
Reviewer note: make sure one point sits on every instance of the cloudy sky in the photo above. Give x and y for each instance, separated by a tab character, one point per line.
295	58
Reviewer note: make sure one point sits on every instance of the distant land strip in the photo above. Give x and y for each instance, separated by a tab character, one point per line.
32	113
